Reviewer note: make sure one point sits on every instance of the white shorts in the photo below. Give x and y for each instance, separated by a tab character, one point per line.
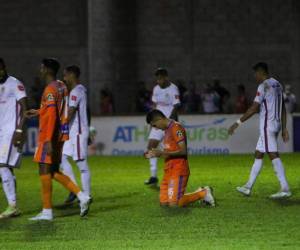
156	134
76	147
267	142
9	154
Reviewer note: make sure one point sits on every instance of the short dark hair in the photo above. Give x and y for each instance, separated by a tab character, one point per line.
73	69
51	63
153	114
2	62
161	72
261	66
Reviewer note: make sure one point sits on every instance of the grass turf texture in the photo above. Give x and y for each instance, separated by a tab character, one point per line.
126	214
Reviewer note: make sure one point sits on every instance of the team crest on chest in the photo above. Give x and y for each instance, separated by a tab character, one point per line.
50	97
179	133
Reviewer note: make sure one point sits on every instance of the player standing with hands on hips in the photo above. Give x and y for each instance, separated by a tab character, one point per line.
165	97
269	103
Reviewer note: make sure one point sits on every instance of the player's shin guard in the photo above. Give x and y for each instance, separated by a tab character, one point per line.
280	173
256	168
85	176
66	182
67	168
191	197
153	167
46	182
8	183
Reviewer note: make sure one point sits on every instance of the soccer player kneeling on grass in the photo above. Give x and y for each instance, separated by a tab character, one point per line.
176	172
53	132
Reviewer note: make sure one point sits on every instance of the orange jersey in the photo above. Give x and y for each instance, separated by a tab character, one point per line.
175	134
53	120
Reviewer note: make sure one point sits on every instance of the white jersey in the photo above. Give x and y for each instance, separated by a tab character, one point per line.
78	99
270	96
11	91
166	98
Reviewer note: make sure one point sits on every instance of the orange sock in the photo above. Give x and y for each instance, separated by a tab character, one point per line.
66	182
191	197
46	181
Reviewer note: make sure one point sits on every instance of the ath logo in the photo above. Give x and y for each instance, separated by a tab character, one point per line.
131	133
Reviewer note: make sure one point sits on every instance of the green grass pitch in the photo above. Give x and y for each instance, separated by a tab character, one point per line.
126	214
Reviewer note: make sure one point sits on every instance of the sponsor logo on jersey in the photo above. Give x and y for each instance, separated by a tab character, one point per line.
74	98
257	94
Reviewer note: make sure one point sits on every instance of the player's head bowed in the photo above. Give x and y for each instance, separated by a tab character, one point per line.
157	119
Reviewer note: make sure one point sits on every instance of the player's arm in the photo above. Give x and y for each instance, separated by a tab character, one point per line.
51	114
181	152
176	105
73	104
19	138
254	108
71	113
285	133
153	99
174	114
32	113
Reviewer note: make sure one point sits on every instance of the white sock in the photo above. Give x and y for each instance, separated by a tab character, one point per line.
67	168
85	176
8	183
257	165
279	170
81	196
153	167
47	211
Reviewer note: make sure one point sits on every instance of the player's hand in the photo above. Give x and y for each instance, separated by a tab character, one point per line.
285	135
155	153
48	147
232	128
18	139
31	113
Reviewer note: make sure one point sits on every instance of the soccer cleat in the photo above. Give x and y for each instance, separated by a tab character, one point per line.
70	199
244	190
281	194
85	203
11	211
151	181
209	198
42	216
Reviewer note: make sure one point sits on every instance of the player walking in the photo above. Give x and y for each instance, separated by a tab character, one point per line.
12	112
269	102
77	145
53	132
176	172
165	98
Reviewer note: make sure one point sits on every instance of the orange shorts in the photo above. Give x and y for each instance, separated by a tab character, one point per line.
41	155
173	185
